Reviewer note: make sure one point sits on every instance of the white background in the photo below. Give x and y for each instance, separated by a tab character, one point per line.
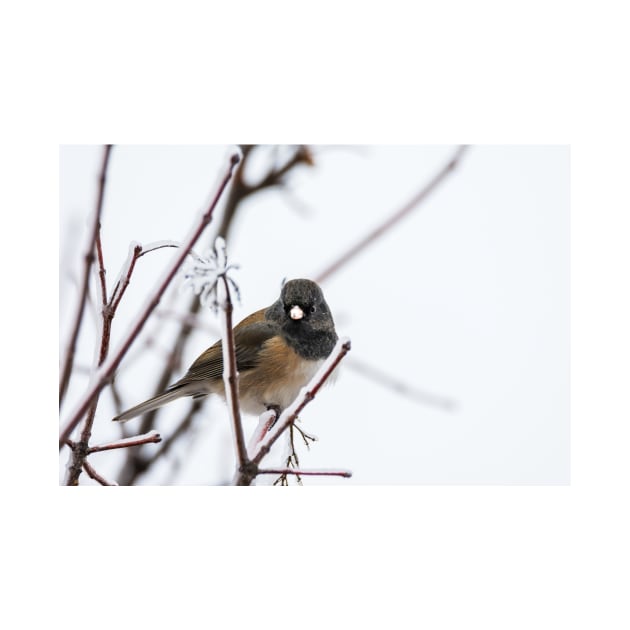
468	299
408	556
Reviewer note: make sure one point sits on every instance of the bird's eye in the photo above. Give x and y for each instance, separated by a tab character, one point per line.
312	309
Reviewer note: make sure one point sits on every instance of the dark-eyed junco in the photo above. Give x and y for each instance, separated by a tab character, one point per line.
278	350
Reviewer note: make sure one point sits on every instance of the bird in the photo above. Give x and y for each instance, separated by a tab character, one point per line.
278	350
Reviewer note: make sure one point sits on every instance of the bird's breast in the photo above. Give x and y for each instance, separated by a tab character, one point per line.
277	379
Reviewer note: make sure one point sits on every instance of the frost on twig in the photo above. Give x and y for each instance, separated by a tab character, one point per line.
208	277
202	273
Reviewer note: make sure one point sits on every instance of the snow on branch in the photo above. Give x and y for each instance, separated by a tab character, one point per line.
248	472
152	437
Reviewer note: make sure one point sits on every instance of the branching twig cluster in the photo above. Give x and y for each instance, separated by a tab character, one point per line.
66	370
107	367
270	428
240	190
292	460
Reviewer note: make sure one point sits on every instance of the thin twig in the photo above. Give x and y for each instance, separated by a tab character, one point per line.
81	451
295	471
119	289
101	266
305	436
230	373
306	395
106	371
385	379
66	371
153	437
94	475
446	170
181	428
154	247
293	461
137	464
275	177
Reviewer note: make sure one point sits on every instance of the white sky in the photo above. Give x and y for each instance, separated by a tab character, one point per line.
467	298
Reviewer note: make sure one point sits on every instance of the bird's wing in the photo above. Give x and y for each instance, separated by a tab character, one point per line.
248	338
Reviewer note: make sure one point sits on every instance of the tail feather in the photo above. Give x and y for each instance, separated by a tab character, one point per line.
154	403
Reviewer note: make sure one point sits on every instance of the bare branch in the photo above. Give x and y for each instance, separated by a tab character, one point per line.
107	312
307	394
153	437
137	464
94	475
275	177
106	371
120	288
151	247
384	379
230	372
446	170
66	371
179	430
101	266
306	473
239	191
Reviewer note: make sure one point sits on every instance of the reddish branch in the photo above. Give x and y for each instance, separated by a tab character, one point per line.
305	473
94	475
108	311
384	379
442	174
153	437
248	472
66	370
275	177
230	375
239	190
101	267
106	371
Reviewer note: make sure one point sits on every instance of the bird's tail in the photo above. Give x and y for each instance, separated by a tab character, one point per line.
154	403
